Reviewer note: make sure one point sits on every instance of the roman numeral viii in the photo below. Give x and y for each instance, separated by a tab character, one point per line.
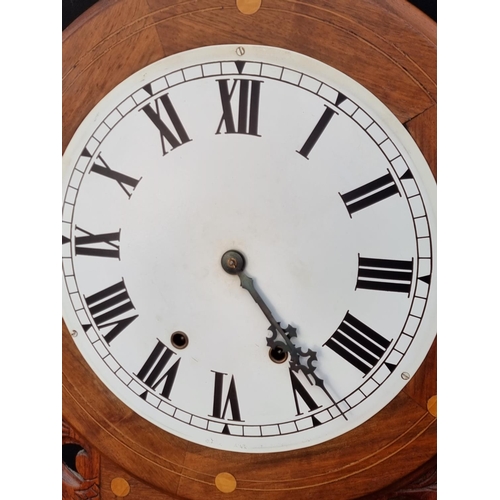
245	109
107	308
97	245
370	193
385	274
358	344
167	136
219	411
155	371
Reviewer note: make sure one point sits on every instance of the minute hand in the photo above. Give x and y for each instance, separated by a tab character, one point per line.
247	284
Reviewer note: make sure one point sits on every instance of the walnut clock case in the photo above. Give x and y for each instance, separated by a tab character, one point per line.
249	226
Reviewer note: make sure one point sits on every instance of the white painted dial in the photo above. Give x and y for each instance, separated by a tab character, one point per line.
314	182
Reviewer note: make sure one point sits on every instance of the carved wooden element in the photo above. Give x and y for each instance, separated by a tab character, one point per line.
80	467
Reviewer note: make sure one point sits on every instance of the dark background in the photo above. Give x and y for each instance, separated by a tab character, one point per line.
71	9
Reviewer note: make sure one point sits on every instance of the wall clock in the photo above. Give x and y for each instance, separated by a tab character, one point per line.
249	244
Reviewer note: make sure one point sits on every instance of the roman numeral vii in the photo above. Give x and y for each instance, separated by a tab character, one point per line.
155	371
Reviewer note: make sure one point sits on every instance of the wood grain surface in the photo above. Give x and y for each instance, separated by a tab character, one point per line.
390	48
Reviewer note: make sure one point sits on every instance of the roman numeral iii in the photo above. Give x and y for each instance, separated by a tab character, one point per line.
358	344
370	193
167	136
385	274
107	308
241	115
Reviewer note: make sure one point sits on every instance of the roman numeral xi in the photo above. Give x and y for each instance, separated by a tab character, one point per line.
163	109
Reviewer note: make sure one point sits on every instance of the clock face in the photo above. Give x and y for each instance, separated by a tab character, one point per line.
312	183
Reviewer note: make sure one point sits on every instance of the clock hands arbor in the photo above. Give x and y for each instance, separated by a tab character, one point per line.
234	263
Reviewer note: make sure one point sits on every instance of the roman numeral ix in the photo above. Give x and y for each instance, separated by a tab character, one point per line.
107	307
246	109
167	136
358	344
97	245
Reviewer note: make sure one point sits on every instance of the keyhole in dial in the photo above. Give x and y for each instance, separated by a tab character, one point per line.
278	355
179	340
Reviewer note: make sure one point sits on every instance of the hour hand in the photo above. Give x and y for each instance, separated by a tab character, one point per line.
233	262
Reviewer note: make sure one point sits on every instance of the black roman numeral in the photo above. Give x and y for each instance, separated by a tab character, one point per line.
166	134
107	305
384	274
97	245
231	400
247	107
299	389
152	373
370	193
358	344
122	179
317	132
